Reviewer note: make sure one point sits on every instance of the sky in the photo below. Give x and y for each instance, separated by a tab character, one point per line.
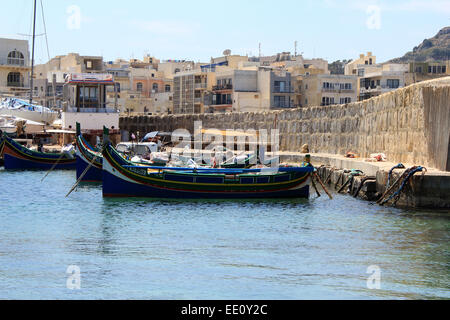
198	29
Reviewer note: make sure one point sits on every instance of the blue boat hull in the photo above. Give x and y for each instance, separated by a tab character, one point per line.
114	187
94	174
14	163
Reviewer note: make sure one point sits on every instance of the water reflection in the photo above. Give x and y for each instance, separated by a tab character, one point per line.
214	249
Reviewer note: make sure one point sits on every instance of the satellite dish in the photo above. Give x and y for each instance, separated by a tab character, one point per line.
227	52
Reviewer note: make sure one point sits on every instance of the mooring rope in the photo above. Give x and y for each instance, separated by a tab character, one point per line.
396	195
399	166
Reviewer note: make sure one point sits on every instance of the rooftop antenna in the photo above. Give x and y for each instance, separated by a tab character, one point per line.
260	50
295	48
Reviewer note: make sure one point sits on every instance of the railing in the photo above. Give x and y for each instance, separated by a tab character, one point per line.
277	89
13	62
223	87
90	110
338	90
200	86
284	104
225	103
15	84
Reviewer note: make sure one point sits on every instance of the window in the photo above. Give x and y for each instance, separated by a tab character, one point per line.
280	101
88	97
370	61
54	77
393	83
167	88
155	87
326	101
139	86
444	69
15	79
88	64
16	58
280	86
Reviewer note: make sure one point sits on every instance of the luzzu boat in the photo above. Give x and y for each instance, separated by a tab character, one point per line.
18	157
88	156
122	178
2	143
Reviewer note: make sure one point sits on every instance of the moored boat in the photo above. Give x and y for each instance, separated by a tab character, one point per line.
18	157
122	178
87	156
2	143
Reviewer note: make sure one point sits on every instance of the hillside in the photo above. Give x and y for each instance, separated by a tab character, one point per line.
434	49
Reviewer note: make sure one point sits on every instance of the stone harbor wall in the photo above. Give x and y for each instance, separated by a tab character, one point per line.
410	125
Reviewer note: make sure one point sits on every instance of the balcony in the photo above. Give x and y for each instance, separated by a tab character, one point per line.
282	105
13	62
200	86
15	84
223	87
278	89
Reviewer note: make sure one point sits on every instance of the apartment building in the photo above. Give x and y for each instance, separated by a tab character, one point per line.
14	66
189	89
381	79
255	90
328	89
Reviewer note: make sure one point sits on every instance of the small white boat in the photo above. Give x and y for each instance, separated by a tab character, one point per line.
22	109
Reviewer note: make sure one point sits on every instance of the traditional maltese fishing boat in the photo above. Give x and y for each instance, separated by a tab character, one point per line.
18	157
88	156
122	178
2	143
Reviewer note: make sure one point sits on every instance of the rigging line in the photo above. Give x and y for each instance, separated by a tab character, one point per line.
48	51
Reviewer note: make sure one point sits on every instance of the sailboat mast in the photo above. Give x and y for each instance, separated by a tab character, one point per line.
32	54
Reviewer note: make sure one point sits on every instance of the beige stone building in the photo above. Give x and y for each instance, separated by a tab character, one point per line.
351	69
14	67
251	90
381	79
328	89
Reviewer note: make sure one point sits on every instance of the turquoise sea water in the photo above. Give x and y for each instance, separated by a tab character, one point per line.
150	249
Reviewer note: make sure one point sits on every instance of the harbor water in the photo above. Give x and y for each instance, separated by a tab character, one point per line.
264	249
